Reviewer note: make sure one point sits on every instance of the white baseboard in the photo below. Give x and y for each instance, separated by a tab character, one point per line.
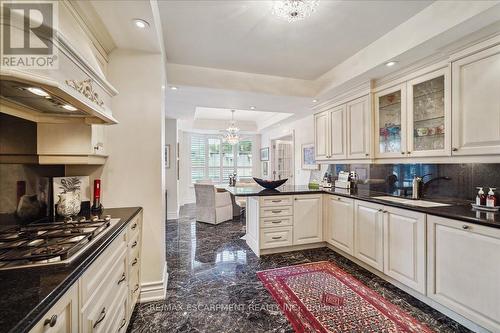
154	291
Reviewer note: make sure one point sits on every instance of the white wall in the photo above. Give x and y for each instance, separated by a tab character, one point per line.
171	173
134	174
303	130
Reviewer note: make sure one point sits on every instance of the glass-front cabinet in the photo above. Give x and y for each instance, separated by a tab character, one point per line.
413	118
390	120
429	115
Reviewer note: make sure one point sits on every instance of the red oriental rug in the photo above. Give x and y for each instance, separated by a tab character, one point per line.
321	297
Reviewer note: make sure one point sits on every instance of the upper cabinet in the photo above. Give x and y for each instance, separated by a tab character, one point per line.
476	103
390	118
414	118
344	131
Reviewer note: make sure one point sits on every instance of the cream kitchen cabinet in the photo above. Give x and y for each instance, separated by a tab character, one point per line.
307	219
369	233
337	133
404	247
359	128
321	135
464	269
339	222
476	103
62	317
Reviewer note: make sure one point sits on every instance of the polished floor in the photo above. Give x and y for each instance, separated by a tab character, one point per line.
213	286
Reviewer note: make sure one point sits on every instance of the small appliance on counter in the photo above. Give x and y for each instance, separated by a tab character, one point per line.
327	181
96	203
343	180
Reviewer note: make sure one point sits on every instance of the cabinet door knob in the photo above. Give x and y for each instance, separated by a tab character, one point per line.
134	262
50	321
455	149
134	226
134	244
402	153
408	152
367	154
381	210
465	227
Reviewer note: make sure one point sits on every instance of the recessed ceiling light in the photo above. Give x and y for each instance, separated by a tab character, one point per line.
69	107
315	101
141	24
252	108
37	91
391	63
173	88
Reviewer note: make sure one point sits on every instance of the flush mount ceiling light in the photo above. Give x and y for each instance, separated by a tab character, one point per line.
294	10
231	134
141	24
69	107
391	63
252	108
173	88
315	101
38	91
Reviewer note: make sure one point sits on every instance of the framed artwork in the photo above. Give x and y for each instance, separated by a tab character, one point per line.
308	157
264	154
265	169
167	156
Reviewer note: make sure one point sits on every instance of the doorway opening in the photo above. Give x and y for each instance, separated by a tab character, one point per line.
282	155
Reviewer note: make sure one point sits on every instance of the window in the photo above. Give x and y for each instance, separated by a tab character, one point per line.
213	159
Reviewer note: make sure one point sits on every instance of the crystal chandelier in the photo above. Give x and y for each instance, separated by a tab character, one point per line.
294	10
231	135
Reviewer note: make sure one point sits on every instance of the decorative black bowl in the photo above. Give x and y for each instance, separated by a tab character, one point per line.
270	184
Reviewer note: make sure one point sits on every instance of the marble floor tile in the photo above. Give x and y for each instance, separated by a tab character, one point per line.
213	286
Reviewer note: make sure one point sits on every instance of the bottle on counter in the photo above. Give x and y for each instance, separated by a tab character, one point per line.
491	200
481	197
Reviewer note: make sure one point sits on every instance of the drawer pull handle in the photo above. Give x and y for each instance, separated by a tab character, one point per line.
122	324
277	237
276	211
101	317
51	322
121	279
134	262
136	288
134	244
276	200
134	226
276	222
465	227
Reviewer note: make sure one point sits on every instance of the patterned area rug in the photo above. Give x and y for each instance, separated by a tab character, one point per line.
321	297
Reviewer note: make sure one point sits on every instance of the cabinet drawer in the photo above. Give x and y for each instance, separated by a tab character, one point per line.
103	312
112	262
134	227
134	288
276	211
276	237
278	200
272	222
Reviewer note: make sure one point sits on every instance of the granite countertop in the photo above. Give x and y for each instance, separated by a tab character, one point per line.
28	293
458	209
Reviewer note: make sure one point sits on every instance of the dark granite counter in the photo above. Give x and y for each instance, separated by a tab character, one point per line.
28	293
458	209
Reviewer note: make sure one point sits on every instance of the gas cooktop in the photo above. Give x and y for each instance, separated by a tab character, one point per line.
50	243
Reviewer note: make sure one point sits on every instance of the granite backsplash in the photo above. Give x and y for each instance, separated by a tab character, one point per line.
443	180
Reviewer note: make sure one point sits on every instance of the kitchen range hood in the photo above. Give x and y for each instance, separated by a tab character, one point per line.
73	91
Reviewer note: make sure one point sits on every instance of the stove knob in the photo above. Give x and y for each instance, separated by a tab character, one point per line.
95	218
107	218
82	219
68	219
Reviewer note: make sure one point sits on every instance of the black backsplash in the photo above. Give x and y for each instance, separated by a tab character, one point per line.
464	178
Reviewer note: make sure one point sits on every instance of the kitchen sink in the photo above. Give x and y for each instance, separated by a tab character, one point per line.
410	202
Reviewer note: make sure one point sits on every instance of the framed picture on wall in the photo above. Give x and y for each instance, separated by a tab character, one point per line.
265	169
264	154
167	156
308	157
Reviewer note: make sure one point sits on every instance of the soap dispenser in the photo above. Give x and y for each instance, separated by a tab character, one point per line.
480	198
491	200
